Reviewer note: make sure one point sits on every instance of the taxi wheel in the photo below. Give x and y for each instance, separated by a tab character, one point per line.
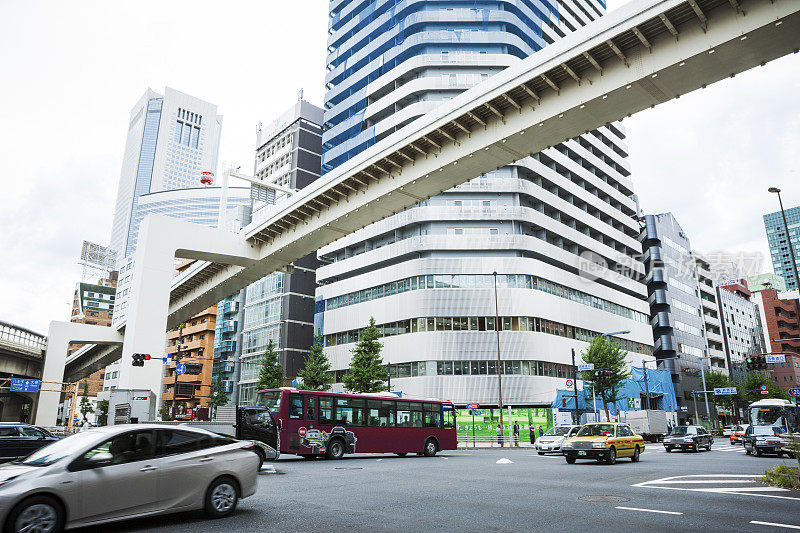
758	452
635	456
611	458
570	459
746	450
667	449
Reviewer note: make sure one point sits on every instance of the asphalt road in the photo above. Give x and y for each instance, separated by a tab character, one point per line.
470	491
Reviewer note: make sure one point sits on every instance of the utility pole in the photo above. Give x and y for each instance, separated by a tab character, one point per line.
72	405
177	360
389	377
705	394
577	416
777	191
646	387
499	363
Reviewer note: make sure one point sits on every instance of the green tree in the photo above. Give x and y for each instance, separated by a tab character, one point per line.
270	375
717	380
218	395
164	411
367	371
610	370
86	404
749	389
102	412
316	372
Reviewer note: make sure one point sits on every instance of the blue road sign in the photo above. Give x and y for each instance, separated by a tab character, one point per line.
794	392
472	406
612	412
724	390
180	369
776	358
583	367
25	385
476	412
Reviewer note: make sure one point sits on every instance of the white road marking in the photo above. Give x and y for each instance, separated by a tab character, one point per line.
504	461
789	526
647	510
691	481
379	459
443	457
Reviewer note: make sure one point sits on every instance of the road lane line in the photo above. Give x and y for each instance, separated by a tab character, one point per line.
647	510
693	481
789	526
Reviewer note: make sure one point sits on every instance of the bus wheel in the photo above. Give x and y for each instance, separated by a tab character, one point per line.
335	449
430	448
403	454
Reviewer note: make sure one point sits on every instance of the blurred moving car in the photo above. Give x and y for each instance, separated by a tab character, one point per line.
738	432
688	438
125	471
604	442
18	440
552	440
727	430
759	440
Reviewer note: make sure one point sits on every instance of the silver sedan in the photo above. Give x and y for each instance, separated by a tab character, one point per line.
125	471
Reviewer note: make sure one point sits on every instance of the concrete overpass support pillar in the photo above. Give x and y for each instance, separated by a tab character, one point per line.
59	336
161	240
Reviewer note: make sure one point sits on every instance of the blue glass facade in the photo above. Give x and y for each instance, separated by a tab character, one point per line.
144	169
370	40
779	240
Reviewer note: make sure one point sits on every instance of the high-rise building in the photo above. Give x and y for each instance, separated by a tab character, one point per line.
426	274
279	306
676	308
708	299
766	281
741	326
780	315
172	138
778	240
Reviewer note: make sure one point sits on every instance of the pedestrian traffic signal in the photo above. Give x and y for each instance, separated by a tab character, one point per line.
140	358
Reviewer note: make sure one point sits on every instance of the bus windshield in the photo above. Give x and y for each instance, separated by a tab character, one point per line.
271	399
785	417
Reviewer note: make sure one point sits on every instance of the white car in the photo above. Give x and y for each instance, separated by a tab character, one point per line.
552	440
125	471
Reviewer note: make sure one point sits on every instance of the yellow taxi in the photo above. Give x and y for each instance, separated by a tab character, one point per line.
603	442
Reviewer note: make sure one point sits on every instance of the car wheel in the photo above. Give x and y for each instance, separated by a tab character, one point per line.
708	446
335	449
667	449
540	453
403	454
39	513
570	459
611	458
222	497
757	451
430	448
746	450
635	456
694	448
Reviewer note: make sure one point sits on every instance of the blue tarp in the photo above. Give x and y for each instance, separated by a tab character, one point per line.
659	383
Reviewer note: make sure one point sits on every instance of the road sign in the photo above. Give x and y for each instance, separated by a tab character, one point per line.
25	385
301	432
472	406
180	369
612	412
583	367
719	391
794	392
776	358
569	383
764	389
476	412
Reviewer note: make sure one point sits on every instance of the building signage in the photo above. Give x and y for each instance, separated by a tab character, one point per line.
583	367
136	398
776	358
25	385
724	390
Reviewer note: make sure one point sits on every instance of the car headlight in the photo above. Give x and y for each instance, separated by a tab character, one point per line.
599	445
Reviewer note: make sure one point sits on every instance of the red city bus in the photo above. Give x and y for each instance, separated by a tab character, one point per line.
331	424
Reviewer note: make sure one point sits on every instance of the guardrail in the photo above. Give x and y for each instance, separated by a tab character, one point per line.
485	441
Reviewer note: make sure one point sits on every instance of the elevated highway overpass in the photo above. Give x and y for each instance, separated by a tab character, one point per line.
644	54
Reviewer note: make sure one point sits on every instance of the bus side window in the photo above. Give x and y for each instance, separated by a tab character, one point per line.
326	411
388	413
295	406
311	408
449	416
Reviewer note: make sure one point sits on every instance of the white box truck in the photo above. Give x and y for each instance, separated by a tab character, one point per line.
649	423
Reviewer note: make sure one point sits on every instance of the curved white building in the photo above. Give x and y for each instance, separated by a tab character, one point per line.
427	274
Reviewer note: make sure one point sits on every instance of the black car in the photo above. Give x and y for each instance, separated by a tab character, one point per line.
763	439
19	440
688	438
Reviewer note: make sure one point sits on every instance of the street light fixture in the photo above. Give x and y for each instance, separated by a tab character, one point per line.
777	191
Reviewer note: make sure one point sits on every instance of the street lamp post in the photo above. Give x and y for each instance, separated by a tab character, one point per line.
499	363
777	191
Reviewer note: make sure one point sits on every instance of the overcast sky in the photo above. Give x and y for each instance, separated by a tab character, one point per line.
71	71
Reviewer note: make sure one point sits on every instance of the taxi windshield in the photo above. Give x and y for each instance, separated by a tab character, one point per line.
558	431
597	430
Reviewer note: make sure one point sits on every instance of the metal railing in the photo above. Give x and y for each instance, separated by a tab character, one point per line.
487	441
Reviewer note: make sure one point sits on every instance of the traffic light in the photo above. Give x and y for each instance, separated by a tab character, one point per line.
140	358
756	362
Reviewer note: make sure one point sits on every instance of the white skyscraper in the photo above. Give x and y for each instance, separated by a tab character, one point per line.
172	138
